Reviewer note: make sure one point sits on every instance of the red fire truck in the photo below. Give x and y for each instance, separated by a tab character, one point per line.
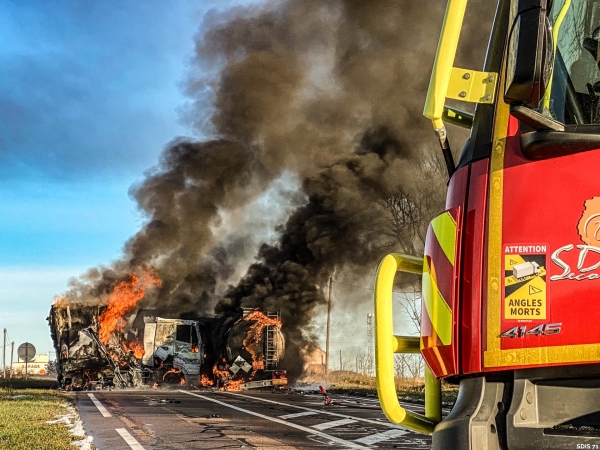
511	272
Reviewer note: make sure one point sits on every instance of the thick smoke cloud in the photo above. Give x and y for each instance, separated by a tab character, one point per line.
329	91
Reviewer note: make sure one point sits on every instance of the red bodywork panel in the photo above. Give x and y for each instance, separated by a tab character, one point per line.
472	273
550	224
546	270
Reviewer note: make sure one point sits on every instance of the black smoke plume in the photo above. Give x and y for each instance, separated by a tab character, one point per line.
330	92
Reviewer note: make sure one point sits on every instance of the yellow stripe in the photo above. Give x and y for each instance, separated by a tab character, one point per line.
438	310
494	282
562	354
444	228
440	360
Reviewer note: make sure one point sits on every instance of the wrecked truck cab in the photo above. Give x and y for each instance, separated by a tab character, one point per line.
174	344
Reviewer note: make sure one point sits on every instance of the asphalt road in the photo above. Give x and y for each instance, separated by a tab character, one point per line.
205	419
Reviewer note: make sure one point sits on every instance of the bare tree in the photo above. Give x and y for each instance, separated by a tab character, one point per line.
409	299
404	218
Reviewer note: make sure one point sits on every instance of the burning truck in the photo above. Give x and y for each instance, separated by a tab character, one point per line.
140	349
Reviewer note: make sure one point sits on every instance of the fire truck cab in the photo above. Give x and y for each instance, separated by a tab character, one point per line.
511	270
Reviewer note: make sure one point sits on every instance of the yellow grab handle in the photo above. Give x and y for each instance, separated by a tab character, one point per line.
386	344
444	60
452	82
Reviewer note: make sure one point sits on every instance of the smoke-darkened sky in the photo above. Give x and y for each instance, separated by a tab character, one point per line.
90	93
300	119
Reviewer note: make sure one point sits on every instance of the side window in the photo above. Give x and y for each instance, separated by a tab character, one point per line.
184	333
187	333
576	84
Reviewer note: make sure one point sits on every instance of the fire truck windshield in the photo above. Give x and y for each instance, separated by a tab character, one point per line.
575	89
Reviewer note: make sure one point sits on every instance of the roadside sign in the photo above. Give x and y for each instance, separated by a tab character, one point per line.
26	352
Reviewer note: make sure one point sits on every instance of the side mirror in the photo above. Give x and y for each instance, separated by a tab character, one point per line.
530	56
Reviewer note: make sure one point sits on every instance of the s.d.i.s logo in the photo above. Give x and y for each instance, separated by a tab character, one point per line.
589	232
589	224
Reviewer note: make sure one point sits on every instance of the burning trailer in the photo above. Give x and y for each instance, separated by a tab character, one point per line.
230	353
248	349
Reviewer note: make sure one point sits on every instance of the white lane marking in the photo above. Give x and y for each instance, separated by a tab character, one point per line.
300	414
135	445
380	437
344	416
374	401
333	424
99	405
282	422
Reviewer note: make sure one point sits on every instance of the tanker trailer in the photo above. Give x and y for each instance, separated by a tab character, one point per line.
253	346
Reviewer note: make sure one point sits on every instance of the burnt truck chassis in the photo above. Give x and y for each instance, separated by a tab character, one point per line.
94	367
84	362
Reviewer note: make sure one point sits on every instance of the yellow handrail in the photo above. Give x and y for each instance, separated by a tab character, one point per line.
444	60
386	344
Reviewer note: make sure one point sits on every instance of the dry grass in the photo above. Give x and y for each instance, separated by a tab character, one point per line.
358	384
25	408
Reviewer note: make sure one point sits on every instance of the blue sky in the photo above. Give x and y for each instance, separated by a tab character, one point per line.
89	96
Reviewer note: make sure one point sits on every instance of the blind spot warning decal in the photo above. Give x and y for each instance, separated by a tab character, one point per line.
525	289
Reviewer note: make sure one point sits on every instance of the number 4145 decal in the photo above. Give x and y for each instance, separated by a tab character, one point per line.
539	330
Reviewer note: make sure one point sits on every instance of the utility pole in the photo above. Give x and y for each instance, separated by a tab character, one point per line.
26	358
341	365
12	351
4	355
328	326
370	351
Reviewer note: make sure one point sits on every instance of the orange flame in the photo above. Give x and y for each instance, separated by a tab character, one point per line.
135	347
205	381
122	300
220	373
233	385
172	371
254	335
60	300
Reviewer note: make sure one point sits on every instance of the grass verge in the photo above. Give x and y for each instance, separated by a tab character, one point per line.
25	409
353	383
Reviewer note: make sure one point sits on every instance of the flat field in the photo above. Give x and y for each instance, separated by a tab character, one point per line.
26	407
